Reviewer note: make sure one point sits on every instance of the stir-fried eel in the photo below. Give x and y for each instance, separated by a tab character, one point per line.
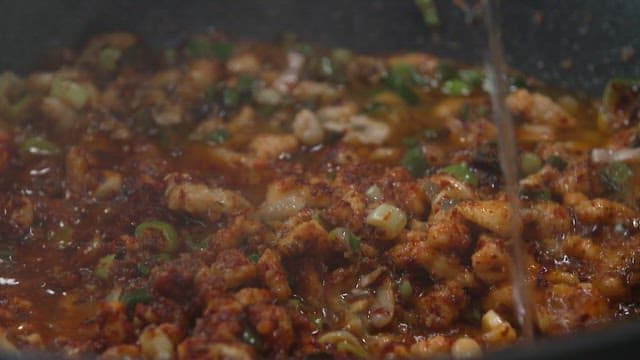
246	200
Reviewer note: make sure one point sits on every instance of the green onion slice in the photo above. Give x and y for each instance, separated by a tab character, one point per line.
168	232
461	172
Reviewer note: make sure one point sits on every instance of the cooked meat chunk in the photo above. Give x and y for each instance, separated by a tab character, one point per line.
538	108
199	199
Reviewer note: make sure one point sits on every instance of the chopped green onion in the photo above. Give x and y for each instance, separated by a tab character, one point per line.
250	337
388	218
245	83
405	289
557	162
254	257
222	50
218	136
103	268
374	193
429	12
616	176
131	298
327	67
202	47
230	97
108	58
354	241
346	237
475	315
405	75
198	47
459	82
530	163
446	71
473	77
410	142
518	82
461	172
71	92
170	235
456	87
143	269
39	146
401	78
415	161
407	94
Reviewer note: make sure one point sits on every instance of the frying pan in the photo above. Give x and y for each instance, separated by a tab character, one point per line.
576	44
